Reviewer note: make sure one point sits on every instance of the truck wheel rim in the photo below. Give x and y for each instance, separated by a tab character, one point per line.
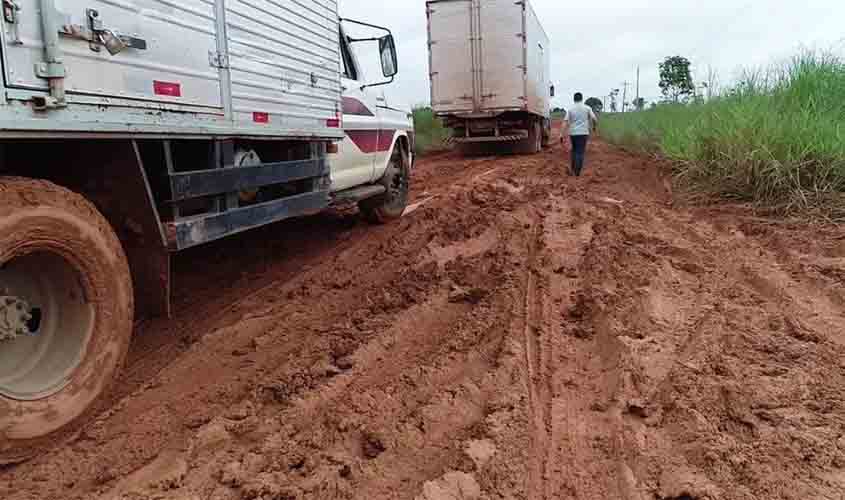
397	188
45	325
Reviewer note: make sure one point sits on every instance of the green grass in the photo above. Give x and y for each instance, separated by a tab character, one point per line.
430	133
777	139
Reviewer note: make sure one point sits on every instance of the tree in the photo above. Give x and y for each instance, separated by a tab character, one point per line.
676	79
596	104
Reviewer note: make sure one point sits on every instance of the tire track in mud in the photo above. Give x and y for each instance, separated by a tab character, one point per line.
539	396
584	456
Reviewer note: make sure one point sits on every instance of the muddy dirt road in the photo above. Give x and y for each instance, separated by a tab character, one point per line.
519	335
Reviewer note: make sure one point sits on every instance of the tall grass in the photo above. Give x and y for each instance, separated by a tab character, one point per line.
776	139
430	133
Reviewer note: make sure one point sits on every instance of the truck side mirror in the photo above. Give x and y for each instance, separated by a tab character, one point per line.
552	91
387	50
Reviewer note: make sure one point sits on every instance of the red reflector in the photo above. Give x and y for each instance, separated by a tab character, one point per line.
167	88
261	117
333	123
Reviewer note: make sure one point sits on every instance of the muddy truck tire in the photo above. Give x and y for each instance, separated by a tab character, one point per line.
66	313
397	180
547	133
534	143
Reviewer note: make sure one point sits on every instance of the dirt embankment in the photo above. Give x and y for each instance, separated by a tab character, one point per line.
519	335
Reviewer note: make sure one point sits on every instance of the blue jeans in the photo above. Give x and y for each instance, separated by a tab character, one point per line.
579	152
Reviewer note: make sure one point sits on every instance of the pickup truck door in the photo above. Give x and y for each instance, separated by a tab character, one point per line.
354	163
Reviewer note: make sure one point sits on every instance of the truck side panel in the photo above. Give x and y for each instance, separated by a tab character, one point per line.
191	68
284	62
537	77
179	37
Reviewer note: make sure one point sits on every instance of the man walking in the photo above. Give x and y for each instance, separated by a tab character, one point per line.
579	122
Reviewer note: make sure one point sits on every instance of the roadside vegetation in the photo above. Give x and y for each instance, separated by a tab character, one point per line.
776	139
431	135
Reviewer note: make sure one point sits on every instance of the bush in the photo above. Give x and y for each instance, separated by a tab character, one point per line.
431	135
776	139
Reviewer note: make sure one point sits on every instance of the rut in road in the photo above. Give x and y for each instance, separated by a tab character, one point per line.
520	334
537	388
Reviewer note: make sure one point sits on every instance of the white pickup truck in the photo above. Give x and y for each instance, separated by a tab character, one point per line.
369	150
134	129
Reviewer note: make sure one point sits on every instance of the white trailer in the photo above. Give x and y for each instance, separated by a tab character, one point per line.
490	71
133	129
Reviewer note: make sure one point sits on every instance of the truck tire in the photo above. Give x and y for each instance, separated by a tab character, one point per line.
397	179
63	266
547	133
534	143
536	137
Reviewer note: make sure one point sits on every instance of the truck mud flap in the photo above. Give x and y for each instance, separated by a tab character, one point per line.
116	181
144	243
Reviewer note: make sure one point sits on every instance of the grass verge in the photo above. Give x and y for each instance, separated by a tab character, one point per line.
777	139
430	133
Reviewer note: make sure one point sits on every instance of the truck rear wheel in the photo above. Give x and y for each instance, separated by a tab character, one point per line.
534	143
66	312
397	179
547	133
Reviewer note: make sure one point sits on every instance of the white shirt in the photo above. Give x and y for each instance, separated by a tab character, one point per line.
581	119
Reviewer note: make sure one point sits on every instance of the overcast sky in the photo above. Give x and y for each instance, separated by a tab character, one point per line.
597	44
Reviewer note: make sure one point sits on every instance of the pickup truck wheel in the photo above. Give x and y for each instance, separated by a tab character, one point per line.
66	312
397	179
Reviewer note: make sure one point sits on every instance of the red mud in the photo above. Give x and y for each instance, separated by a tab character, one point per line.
519	335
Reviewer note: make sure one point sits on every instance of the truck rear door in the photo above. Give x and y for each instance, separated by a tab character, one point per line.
451	45
171	57
502	42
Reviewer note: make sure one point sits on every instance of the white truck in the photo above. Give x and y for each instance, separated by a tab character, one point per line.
133	129
490	72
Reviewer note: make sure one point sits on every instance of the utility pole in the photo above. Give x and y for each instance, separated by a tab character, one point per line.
625	96
638	90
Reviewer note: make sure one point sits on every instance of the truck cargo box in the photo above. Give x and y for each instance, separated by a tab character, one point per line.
487	56
190	67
